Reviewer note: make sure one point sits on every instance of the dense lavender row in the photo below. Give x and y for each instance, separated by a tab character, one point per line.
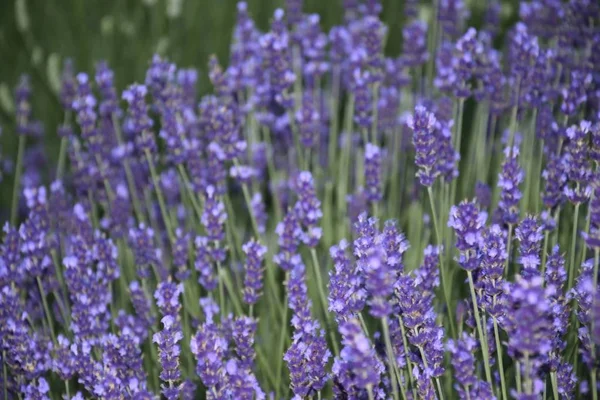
329	223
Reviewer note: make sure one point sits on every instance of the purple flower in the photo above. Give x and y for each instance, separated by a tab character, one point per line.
104	80
137	117
346	293
208	346
309	121
181	249
204	264
528	322
579	172
358	365
508	181
555	176
259	212
308	209
141	241
167	299
214	215
141	305
23	105
491	282
373	162
529	234
423	125
253	284
414	52
468	222
463	361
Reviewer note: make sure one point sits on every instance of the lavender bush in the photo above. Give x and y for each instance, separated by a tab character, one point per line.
329	222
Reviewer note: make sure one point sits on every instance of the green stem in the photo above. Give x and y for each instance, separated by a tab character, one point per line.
573	246
17	185
483	342
508	249
161	200
554	382
323	298
46	310
393	369
500	361
443	276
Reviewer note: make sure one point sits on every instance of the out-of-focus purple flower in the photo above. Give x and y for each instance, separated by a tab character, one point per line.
146	255
141	305
373	161
277	62
414	52
423	124
85	107
68	85
529	234
255	253
579	171
483	195
468	222
290	234
313	44
452	15
181	249
463	360
308	209
360	89
23	105
523	52
204	263
209	347
555	177
575	95
243	173
308	120
104	80
508	181
214	215
358	365
259	212
137	117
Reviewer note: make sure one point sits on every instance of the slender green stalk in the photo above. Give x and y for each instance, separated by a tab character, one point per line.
17	185
482	340
159	195
500	361
443	276
323	298
46	309
457	143
408	362
554	383
128	174
393	368
283	329
573	247
594	383
437	379
508	250
370	392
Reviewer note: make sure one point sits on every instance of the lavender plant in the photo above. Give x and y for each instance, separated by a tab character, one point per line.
306	230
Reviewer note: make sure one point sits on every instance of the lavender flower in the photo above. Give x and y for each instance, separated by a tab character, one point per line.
468	223
579	172
308	209
346	293
358	366
137	117
493	259
167	300
529	234
508	181
423	124
255	253
23	105
145	254
373	172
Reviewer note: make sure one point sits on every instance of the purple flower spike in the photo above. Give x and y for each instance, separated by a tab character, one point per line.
423	125
468	222
579	171
255	253
529	234
373	160
509	180
358	365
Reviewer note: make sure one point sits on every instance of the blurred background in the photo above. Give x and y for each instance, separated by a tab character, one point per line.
36	36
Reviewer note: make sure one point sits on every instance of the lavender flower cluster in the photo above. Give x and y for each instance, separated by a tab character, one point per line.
330	222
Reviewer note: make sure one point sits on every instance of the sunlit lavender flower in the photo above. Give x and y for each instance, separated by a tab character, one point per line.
529	234
214	215
347	295
468	222
555	176
137	117
255	253
181	249
309	121
204	263
423	124
290	234
509	180
493	259
208	346
463	361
